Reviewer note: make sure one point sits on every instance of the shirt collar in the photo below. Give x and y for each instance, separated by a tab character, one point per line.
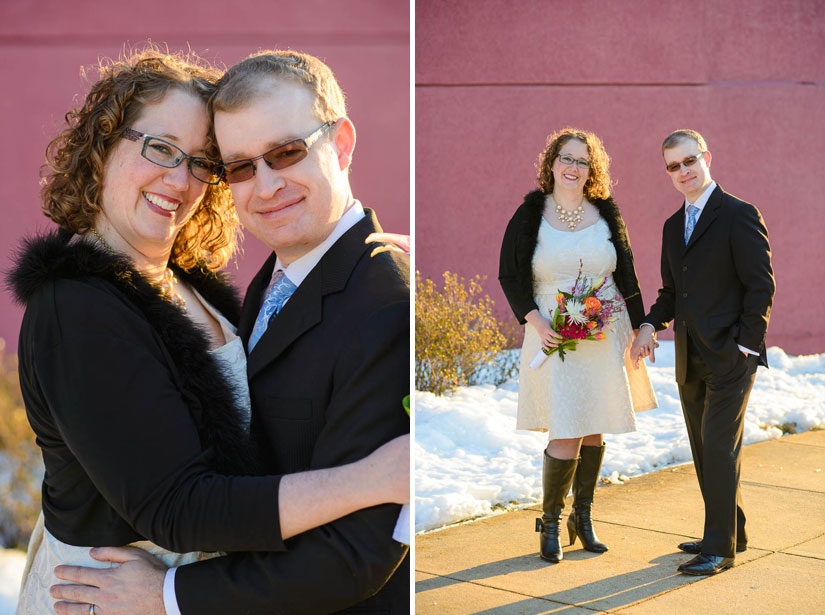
703	198
299	269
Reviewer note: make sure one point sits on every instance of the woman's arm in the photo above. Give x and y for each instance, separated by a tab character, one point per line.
509	270
310	499
626	276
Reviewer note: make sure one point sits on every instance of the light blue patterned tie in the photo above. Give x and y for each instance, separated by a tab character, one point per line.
280	289
692	209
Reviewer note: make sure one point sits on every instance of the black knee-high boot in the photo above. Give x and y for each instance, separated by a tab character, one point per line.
556	478
579	523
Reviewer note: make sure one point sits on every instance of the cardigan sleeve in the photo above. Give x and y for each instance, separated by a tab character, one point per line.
121	423
631	292
510	265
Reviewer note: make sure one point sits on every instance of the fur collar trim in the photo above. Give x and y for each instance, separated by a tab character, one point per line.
211	401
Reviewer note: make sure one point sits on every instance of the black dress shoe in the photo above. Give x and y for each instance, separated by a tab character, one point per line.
704	564
695	547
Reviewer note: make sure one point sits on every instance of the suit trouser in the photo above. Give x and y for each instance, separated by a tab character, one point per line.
714	409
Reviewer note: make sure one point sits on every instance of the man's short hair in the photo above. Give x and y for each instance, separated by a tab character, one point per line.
675	137
249	79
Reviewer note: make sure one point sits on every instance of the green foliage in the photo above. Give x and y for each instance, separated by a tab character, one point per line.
21	466
456	333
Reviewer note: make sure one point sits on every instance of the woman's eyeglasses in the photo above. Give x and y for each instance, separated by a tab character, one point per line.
167	155
688	162
281	157
568	160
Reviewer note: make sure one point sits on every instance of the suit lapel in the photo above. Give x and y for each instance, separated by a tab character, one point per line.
304	309
252	300
709	214
301	313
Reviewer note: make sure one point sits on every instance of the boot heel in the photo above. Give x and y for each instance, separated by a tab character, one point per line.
571	529
580	521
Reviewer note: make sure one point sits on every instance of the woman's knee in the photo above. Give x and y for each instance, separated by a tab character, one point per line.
564	448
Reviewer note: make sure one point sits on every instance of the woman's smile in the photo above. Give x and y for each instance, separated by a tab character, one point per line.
161	205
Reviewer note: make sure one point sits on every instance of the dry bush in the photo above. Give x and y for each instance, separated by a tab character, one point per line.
21	466
456	332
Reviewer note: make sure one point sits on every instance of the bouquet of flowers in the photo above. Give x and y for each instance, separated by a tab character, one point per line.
581	314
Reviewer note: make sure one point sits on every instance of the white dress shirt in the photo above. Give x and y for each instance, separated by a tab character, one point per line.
700	205
296	271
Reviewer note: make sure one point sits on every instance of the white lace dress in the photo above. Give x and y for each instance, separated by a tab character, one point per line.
595	389
45	551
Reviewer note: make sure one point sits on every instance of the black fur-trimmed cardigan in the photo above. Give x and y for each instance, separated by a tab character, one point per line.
141	434
515	273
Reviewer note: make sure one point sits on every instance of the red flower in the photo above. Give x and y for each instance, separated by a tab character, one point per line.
573	331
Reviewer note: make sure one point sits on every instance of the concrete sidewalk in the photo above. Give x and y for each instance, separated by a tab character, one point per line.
491	566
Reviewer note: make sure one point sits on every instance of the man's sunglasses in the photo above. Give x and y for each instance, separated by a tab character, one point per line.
688	162
281	157
167	155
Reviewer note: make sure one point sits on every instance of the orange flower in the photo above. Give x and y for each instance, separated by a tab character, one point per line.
593	305
560	299
600	335
592	324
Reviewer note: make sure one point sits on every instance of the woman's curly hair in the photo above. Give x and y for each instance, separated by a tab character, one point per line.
72	178
598	182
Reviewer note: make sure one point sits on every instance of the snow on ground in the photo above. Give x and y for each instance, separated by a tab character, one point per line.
11	571
470	461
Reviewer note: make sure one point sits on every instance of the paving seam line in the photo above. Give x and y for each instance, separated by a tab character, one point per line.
817	558
783	441
753	484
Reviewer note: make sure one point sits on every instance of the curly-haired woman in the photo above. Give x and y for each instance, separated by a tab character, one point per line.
132	374
571	225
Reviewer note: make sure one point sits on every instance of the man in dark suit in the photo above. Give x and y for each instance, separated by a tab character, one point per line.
717	288
326	328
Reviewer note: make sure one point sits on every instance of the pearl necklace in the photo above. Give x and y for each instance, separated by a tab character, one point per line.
570	218
168	279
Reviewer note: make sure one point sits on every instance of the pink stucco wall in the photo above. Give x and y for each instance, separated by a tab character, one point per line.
494	78
43	44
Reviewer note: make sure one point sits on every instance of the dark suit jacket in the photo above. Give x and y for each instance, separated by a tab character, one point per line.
327	379
719	288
